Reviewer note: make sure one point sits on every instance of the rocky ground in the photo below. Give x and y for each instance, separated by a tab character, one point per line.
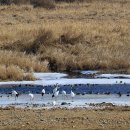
109	118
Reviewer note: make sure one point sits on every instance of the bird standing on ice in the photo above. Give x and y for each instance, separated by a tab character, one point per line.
54	103
43	92
56	88
72	94
64	93
15	93
55	94
31	96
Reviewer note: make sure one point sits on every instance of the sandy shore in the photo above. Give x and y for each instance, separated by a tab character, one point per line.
110	118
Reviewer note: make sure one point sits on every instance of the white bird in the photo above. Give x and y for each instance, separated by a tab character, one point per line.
64	93
54	103
43	92
56	88
72	94
55	94
15	93
31	96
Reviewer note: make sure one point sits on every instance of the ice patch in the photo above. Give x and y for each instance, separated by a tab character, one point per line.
78	101
89	72
113	76
49	76
60	78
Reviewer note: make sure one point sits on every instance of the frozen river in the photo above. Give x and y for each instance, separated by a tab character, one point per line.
78	101
108	88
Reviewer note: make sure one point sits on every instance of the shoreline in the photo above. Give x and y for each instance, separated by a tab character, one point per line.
116	118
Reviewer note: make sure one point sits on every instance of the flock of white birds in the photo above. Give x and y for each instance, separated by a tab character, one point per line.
54	94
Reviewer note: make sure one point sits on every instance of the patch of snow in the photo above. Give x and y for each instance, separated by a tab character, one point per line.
112	76
53	78
89	72
49	76
65	81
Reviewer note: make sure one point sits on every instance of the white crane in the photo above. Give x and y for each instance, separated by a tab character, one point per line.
72	94
43	92
15	93
64	93
54	103
31	96
56	88
55	94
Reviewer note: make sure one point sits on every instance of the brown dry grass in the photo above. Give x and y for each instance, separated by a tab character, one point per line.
13	72
14	65
90	35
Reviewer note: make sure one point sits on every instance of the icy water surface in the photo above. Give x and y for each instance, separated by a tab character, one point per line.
87	90
77	88
47	101
85	94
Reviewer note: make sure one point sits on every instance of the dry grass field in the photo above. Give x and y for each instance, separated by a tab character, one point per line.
94	34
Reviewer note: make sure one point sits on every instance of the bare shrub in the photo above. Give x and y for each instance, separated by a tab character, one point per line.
14	72
18	2
29	76
3	74
48	4
6	2
11	72
128	70
43	38
25	62
15	65
70	1
71	36
107	33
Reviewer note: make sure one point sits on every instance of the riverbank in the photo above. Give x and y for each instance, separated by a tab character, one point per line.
90	35
112	118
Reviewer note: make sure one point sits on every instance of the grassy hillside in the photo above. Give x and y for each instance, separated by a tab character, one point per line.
93	34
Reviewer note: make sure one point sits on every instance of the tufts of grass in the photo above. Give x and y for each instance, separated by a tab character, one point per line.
25	62
70	1
8	2
14	65
47	4
19	2
44	37
71	36
31	44
128	71
29	76
89	35
14	72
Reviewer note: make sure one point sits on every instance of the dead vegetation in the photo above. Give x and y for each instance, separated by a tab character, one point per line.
14	65
47	4
89	35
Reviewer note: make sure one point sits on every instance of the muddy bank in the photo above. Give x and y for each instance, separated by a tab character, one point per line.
112	118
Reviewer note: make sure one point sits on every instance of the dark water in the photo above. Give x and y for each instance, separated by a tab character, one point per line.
79	89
